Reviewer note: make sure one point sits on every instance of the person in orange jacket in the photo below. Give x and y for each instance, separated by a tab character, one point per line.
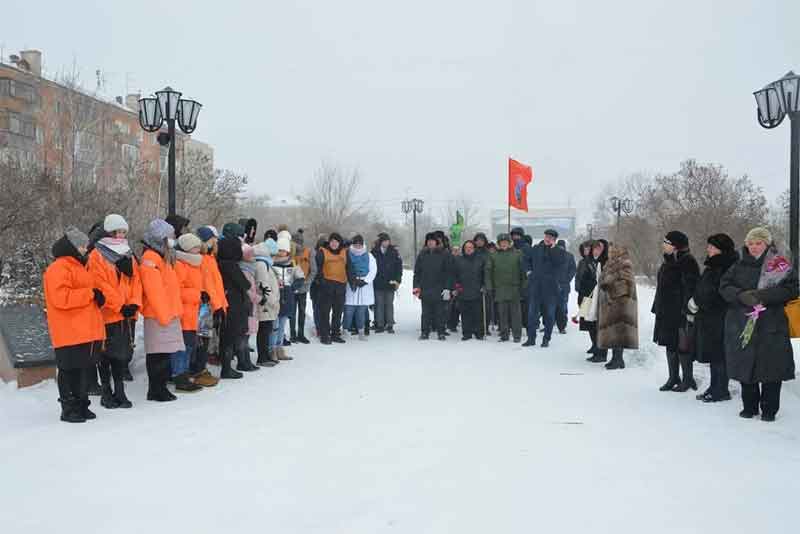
75	323
161	307
208	343
189	269
116	273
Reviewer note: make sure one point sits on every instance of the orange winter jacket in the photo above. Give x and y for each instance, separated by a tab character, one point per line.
161	292
73	317
190	278
212	283
118	289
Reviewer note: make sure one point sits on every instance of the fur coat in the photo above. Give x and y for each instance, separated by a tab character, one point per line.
618	310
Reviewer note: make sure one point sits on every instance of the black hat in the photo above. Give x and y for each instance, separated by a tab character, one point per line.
271	234
552	233
723	242
561	243
178	222
358	239
432	236
503	237
677	239
383	236
518	230
480	235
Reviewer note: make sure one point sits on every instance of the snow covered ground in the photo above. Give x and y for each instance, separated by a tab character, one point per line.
397	435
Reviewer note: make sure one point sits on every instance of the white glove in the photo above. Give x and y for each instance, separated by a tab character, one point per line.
690	319
693	306
446	294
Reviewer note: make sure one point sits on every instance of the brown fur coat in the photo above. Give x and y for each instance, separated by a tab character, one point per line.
618	310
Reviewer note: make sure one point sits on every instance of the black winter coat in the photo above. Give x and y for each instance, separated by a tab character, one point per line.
469	271
677	279
768	357
390	267
709	321
582	275
236	288
569	271
433	273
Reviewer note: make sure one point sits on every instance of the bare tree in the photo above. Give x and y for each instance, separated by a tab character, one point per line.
332	198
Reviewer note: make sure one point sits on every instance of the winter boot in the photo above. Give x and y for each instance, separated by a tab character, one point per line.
227	369
545	343
119	393
424	336
83	406
442	337
390	330
673	366
70	412
205	379
688	382
282	354
303	339
182	383
337	339
107	399
245	364
617	362
530	342
265	359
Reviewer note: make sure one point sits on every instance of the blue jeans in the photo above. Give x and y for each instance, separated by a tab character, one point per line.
357	313
179	361
278	328
544	305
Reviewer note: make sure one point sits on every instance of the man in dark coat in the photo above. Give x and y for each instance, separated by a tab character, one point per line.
432	284
762	277
677	279
482	250
564	281
709	309
543	265
387	281
469	273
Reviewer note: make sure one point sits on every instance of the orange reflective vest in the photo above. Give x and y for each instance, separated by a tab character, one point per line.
73	317
190	278
303	261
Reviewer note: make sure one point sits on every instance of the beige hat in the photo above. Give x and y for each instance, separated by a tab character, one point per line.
189	241
284	244
759	234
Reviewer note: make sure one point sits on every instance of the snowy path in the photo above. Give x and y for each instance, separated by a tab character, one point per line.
396	435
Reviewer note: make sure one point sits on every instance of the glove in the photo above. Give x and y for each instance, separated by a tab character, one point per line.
361	283
125	266
204	298
99	298
129	310
445	295
692	306
417	292
219	316
394	283
749	298
690	318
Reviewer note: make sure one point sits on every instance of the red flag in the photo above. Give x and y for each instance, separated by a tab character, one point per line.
519	176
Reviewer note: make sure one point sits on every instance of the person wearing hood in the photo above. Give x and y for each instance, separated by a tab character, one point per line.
234	328
432	285
617	308
762	282
179	223
677	279
387	282
566	275
360	295
116	272
189	271
303	259
248	267
233	231
208	339
250	229
290	280
161	307
505	278
544	265
313	292
590	277
332	278
470	270
75	322
269	303
707	310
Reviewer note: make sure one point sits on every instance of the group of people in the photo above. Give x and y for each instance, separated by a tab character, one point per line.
202	295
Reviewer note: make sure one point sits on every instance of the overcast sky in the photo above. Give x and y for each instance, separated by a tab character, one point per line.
431	97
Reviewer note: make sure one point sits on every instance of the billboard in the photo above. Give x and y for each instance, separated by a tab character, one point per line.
536	221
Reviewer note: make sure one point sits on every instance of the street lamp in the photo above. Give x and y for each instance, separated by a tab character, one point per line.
414	206
775	102
619	205
167	105
590	231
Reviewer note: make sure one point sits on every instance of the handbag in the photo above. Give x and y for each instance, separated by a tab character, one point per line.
686	339
586	305
792	311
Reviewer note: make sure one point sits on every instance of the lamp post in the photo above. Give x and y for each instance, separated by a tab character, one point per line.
414	206
775	102
168	106
619	205
590	231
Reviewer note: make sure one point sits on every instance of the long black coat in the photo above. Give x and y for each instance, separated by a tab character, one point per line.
709	321
768	357
433	273
469	272
236	288
677	279
390	267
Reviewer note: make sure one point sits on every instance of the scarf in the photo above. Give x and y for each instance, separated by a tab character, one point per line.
359	261
248	267
113	249
774	269
191	259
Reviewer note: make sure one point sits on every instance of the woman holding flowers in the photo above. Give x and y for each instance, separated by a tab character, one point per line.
758	349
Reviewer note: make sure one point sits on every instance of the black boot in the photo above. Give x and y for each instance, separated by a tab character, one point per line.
244	362
687	367
673	366
617	362
83	406
126	373
227	369
600	356
265	359
119	393
107	399
70	411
